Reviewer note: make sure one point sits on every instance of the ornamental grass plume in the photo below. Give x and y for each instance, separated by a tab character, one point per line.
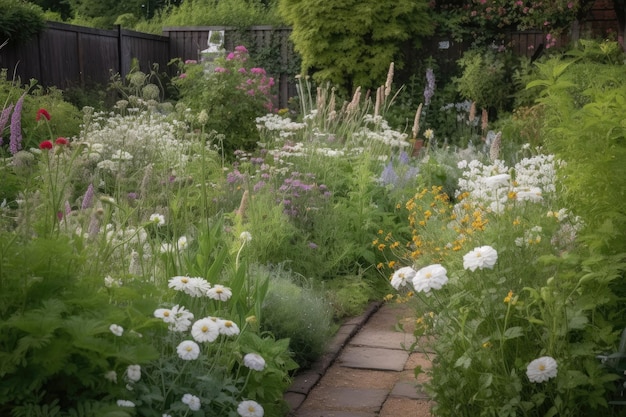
429	90
416	121
494	150
389	80
472	112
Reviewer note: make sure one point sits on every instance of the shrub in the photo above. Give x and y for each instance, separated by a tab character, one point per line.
216	86
20	20
298	313
486	78
350	44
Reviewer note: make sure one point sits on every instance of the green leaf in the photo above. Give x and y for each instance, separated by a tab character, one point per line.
513	332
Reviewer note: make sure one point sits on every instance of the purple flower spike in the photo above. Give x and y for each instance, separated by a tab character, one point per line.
15	143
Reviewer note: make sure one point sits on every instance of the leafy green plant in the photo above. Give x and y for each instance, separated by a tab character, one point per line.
350	44
297	312
580	101
215	86
486	79
20	20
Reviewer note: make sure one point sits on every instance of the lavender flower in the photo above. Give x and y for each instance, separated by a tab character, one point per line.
388	176
4	118
88	198
429	90
15	143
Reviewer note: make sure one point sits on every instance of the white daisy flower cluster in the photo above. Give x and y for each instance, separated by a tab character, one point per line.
200	287
117	143
178	318
432	277
382	133
531	237
494	185
275	123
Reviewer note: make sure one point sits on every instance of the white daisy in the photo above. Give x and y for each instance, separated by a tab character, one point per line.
401	276
133	373
205	330
250	408
430	277
192	401
219	292
228	327
188	350
480	258
116	330
157	219
254	361
542	369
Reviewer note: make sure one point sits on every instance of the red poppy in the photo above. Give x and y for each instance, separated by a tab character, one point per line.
61	141
42	112
46	144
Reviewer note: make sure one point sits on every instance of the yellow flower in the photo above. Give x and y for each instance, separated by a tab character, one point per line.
391	264
388	297
509	299
487	345
381	247
512	195
380	265
516	221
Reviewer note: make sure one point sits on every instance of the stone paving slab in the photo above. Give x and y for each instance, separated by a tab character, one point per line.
373	358
326	413
346	399
382	339
304	382
408	389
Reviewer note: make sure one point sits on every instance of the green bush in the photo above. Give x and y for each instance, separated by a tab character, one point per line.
233	93
20	20
351	43
486	78
298	313
582	97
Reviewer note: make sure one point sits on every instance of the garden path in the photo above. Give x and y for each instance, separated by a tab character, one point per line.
365	372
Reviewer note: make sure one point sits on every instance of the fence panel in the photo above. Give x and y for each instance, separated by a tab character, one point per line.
67	56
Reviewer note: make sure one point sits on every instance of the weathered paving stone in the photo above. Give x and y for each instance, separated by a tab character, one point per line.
326	413
373	358
304	382
346	399
294	399
382	339
408	389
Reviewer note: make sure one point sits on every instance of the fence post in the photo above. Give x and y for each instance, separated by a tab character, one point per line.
120	53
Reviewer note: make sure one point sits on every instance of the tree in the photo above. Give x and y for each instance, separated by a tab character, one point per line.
351	43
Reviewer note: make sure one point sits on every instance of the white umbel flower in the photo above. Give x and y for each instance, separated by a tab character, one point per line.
116	330
192	401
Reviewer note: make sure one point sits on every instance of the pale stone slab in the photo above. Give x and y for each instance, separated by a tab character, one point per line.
382	339
408	389
362	400
373	358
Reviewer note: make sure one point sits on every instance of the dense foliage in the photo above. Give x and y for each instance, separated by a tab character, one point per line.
350	44
19	20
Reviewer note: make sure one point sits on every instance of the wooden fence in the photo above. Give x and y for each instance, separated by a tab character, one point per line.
67	56
72	56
